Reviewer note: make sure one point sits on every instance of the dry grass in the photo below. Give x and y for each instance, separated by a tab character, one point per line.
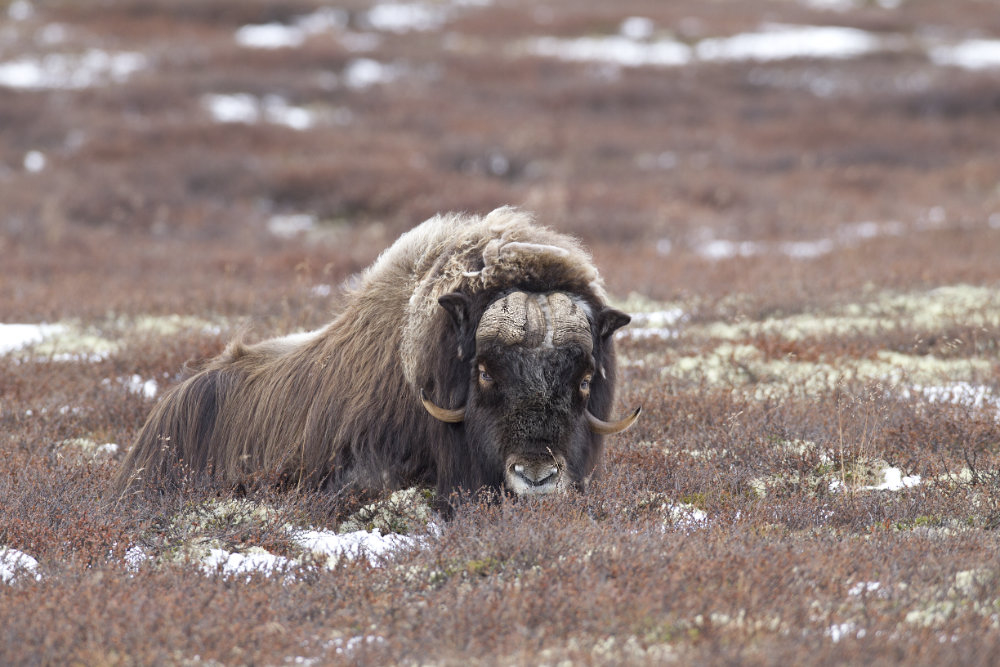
736	522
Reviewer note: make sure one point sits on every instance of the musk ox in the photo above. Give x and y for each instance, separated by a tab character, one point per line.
476	353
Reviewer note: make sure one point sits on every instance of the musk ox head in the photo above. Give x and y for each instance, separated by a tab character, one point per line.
535	365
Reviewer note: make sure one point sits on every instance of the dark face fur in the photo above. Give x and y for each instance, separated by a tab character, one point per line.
527	410
535	373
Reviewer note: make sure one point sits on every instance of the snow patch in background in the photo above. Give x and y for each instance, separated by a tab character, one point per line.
255	561
20	10
632	47
365	72
966	394
973	54
14	563
654	324
282	36
614	49
136	385
635	46
637	27
893	481
16	336
290	225
406	17
249	109
781	42
70	71
34	161
848	235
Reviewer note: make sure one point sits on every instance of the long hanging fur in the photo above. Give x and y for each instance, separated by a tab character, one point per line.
339	408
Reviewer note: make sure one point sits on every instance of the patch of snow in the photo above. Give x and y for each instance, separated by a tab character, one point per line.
994	221
15	336
257	561
864	231
321	291
959	393
403	17
894	481
717	249
277	110
334	546
136	385
70	71
658	318
973	54
34	161
237	108
831	5
632	47
14	562
616	49
270	36
135	557
245	108
637	27
365	72
322	20
806	249
283	36
864	587
839	631
345	646
664	246
687	516
20	10
781	42
291	225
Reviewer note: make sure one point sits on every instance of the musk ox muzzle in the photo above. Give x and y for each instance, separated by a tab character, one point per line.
530	398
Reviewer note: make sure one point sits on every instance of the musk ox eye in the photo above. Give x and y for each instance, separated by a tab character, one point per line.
585	384
484	375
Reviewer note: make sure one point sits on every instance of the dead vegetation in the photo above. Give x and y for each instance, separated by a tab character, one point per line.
814	271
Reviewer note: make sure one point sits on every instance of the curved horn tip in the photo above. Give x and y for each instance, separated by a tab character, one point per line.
602	427
442	414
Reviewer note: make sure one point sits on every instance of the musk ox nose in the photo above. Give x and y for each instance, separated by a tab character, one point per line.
539	476
527	477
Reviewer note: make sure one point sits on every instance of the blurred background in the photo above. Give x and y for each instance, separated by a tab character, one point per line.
249	156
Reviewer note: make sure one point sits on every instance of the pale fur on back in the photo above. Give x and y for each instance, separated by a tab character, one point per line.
340	406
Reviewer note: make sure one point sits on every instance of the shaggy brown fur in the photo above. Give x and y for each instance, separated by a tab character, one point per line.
340	407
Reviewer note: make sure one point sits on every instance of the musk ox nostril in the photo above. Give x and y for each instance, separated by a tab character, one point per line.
536	475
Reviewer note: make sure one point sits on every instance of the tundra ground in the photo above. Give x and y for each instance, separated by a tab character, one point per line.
798	201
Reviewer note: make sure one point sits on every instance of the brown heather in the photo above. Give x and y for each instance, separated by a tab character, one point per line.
789	386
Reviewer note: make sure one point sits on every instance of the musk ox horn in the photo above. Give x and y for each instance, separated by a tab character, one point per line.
533	320
449	416
602	427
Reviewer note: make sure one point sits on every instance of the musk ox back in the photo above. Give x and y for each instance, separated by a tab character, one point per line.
475	353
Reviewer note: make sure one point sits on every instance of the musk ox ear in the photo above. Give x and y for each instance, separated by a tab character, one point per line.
610	320
457	305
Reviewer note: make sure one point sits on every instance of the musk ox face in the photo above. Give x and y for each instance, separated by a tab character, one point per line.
535	361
